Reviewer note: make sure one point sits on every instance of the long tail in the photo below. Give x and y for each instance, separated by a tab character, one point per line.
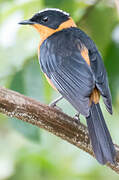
100	137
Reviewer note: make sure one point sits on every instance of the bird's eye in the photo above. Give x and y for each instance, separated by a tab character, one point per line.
45	19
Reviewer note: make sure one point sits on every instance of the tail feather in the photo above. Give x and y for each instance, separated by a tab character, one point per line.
100	137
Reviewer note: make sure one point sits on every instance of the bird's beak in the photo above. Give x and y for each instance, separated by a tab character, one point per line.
26	22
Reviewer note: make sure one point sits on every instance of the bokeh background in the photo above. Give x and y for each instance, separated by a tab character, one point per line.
27	152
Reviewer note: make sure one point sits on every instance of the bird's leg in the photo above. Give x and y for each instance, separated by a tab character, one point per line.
54	103
77	118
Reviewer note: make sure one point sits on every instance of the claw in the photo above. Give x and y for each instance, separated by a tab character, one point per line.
52	104
77	118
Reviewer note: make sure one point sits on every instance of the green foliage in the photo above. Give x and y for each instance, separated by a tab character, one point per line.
72	6
100	24
112	64
33	153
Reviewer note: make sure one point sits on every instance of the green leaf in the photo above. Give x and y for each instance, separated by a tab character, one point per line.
99	24
112	66
17	83
35	82
71	7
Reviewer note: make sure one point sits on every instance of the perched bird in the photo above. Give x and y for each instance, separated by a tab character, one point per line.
73	65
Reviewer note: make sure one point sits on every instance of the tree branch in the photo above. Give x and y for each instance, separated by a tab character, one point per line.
26	109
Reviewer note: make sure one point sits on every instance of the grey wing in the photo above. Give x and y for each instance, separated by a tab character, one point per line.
72	76
98	69
101	79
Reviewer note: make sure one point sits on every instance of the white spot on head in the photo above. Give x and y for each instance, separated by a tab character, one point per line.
54	9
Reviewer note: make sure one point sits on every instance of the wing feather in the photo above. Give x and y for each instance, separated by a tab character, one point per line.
72	77
97	67
62	62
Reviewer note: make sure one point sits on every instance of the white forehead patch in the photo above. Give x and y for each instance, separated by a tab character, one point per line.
54	9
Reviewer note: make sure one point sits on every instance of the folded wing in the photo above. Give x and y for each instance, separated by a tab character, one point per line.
69	72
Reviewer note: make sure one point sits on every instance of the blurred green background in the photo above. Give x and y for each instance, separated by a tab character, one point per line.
27	152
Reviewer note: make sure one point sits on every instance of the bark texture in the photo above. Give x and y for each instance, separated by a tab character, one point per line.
26	109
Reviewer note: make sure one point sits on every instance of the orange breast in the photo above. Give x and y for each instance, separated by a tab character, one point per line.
45	32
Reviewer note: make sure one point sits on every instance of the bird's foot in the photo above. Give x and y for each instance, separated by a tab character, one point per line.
77	118
54	103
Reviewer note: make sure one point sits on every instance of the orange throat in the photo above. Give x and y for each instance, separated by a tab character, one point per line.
45	32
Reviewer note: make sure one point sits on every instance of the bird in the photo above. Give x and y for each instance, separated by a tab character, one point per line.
73	66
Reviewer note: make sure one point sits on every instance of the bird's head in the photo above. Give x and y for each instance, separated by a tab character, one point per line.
49	21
